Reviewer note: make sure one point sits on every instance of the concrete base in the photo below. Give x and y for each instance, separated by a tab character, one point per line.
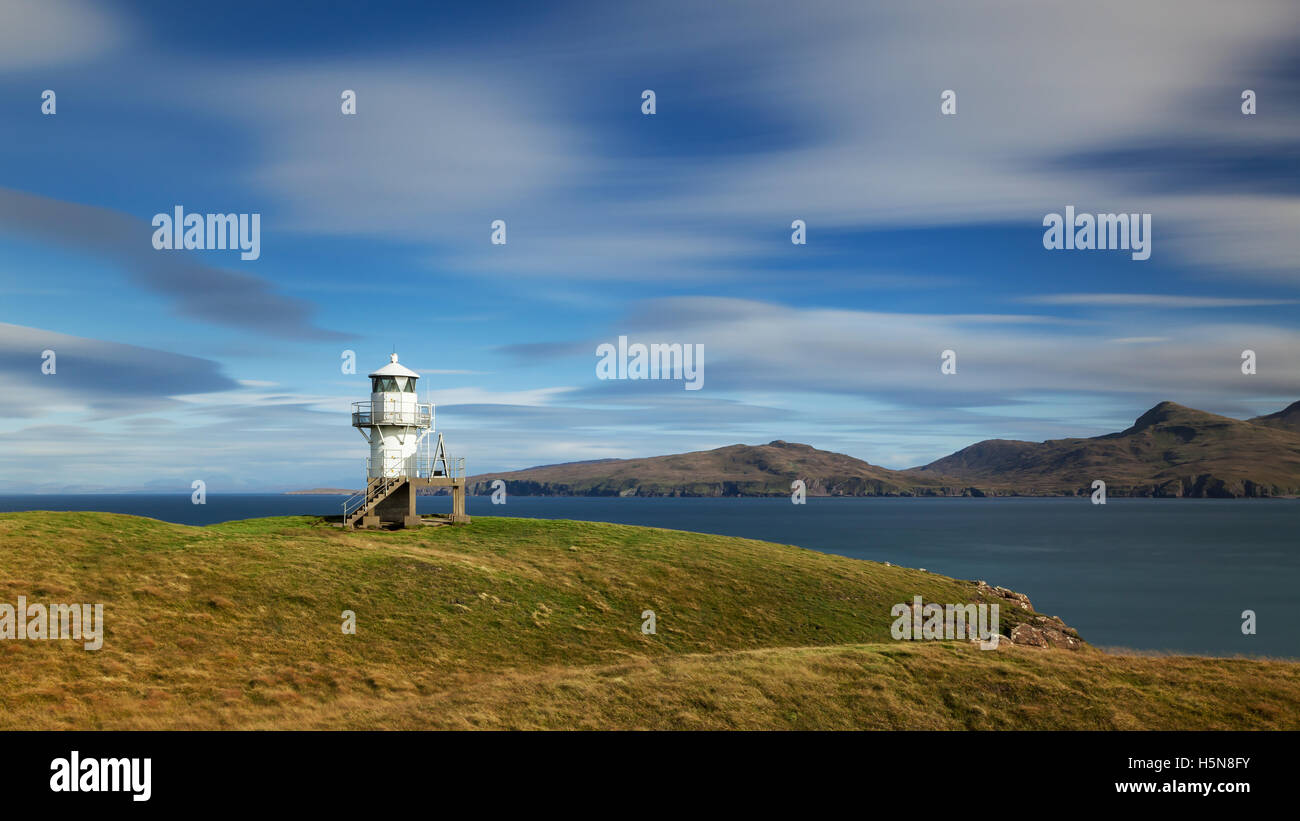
399	508
457	488
399	505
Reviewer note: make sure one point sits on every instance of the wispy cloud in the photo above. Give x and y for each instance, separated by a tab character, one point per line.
197	290
755	347
1152	301
55	32
95	376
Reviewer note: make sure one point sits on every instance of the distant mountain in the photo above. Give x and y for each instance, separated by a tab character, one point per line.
1171	450
735	470
583	462
1287	419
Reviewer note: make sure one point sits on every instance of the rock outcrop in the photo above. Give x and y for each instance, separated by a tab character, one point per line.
1018	625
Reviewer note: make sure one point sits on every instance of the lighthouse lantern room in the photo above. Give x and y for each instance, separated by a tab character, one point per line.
406	453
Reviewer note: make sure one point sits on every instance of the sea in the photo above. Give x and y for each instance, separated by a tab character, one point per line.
1163	575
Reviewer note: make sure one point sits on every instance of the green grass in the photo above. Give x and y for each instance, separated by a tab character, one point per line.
532	623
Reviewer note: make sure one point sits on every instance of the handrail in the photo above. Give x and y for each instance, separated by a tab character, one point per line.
448	467
352	503
369	413
376	489
415	467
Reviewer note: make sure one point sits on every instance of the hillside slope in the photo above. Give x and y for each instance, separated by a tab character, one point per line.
1287	419
1171	450
529	623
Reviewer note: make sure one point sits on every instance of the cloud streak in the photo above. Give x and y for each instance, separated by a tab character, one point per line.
195	289
1152	301
95	376
56	32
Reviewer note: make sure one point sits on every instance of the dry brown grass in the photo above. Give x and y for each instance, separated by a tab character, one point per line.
514	623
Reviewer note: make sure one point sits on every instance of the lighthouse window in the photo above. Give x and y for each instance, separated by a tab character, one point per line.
384	384
410	385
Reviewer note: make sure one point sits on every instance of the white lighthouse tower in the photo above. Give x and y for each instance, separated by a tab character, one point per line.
405	453
392	421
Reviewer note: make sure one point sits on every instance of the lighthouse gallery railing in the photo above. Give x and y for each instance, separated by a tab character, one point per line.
374	413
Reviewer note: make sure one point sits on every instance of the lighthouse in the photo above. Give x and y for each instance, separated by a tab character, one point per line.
406	453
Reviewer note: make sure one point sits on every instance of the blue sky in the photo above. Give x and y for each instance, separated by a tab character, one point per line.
924	231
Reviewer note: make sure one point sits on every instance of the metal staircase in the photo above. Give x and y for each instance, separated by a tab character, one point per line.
377	490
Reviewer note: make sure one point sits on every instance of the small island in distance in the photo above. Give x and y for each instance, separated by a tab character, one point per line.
1170	451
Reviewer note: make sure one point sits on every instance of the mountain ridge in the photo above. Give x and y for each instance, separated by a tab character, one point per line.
1170	450
1288	418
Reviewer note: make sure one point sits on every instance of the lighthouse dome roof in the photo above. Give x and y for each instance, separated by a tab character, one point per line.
394	369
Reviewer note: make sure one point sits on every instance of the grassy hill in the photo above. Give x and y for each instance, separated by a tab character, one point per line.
518	623
735	470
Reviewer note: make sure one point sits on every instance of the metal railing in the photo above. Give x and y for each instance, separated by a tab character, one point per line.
396	470
415	467
366	414
375	487
351	503
453	467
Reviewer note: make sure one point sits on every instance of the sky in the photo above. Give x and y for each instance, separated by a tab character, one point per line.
924	230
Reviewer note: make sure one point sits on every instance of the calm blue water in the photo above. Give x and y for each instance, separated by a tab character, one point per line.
1157	574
